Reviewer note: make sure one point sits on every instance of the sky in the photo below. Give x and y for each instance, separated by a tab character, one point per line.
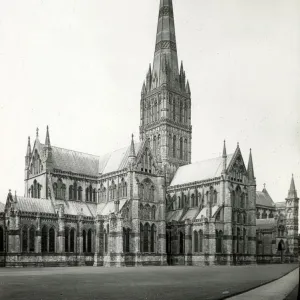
78	66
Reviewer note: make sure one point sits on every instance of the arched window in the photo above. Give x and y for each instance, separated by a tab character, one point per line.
181	112
153	238
215	197
75	191
200	241
87	194
264	215
141	191
63	191
1	239
193	203
170	145
232	194
71	192
146	237
141	237
84	241
94	195
25	239
89	248
31	239
219	238
238	240
72	240
181	149
174	146
181	243
196	242
168	242
244	240
185	150
80	193
44	239
153	213
174	110
67	239
52	240
54	190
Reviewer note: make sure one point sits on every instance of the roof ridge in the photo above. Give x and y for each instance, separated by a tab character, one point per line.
75	151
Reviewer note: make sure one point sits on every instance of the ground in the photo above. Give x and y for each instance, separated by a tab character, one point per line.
135	283
293	295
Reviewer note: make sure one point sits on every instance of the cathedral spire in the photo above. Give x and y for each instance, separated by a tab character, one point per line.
47	141
250	167
165	43
292	191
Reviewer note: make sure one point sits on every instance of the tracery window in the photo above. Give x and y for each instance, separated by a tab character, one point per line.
185	150
44	239
126	240
25	239
89	241
181	242
80	193
219	241
153	239
200	241
51	240
196	242
66	239
181	149
174	146
72	240
193	203
146	237
71	192
84	241
94	195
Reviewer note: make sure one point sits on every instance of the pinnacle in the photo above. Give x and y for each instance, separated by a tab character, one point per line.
292	191
250	167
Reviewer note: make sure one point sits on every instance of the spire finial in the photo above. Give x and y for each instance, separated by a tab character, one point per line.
132	149
292	190
224	149
47	141
37	132
250	167
264	185
238	145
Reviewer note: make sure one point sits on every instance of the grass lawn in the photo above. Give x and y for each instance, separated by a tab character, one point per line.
176	282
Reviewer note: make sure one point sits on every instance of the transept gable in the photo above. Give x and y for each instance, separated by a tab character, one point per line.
237	165
146	161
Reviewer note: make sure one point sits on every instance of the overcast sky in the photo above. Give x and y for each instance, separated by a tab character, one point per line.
79	65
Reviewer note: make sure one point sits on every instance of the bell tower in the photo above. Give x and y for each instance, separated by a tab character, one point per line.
166	99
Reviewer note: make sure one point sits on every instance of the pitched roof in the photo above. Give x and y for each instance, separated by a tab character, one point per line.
75	162
34	205
264	199
198	171
280	204
88	164
75	208
265	223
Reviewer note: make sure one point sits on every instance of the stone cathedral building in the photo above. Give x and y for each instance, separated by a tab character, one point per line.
145	204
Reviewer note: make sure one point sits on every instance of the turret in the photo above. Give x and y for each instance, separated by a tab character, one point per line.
224	158
28	154
47	151
132	155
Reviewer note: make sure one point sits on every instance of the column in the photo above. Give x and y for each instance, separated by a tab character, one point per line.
99	242
188	243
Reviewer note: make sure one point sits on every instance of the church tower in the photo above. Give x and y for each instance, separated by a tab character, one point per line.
166	99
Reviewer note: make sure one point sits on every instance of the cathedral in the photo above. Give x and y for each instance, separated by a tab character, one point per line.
146	204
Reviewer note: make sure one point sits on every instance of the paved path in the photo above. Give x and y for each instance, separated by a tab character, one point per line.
278	289
144	283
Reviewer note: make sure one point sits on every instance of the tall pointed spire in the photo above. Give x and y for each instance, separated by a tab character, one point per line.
224	150
224	157
132	149
250	167
292	191
47	141
165	41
